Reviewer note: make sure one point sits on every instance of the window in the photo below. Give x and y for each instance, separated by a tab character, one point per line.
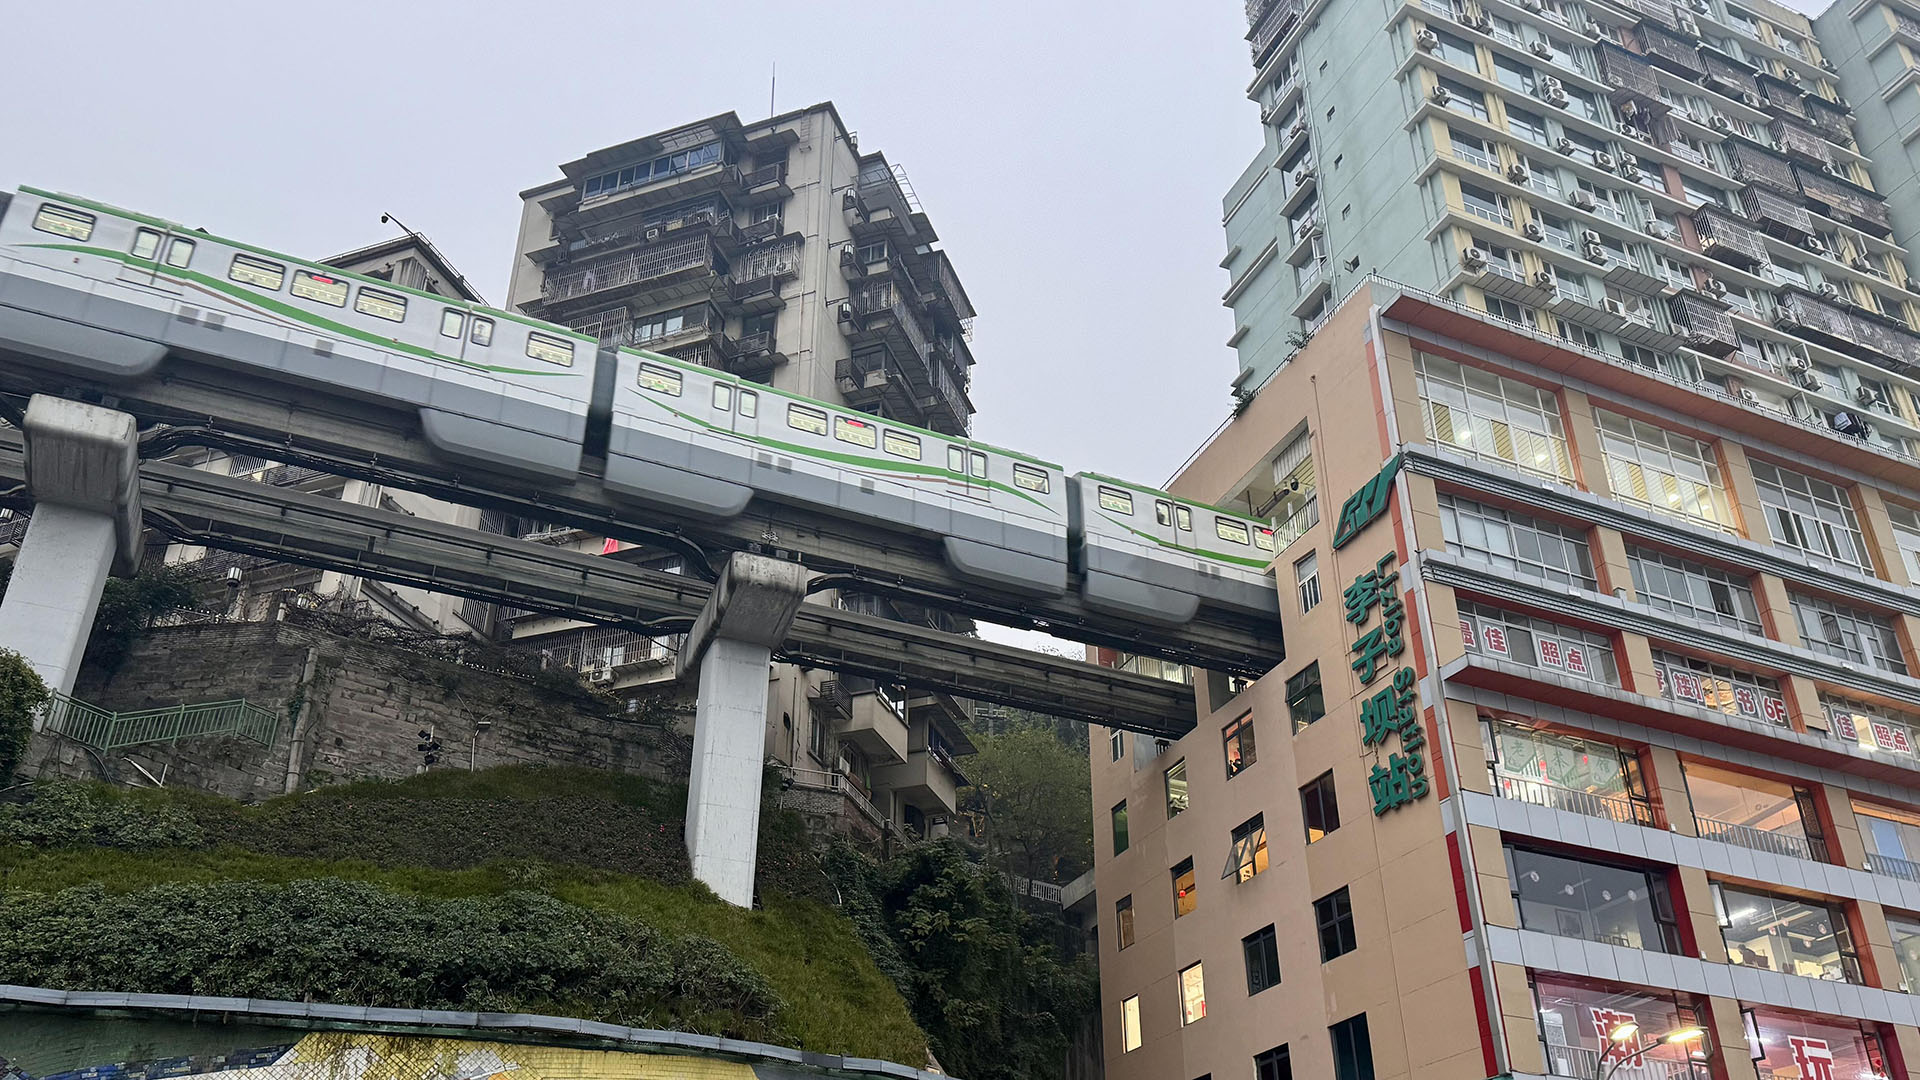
61	221
1523	639
1193	994
482	331
1262	950
858	432
1263	538
1515	543
1464	99
1030	478
977	465
1274	1064
1123	920
811	421
722	397
1906	949
1238	738
1811	516
646	172
1513	74
1454	50
319	288
1847	634
1233	532
1663	471
453	324
1319	808
1182	518
146	244
1876	728
660	380
391	307
1813	1046
1565	772
749	404
251	271
1117	501
1719	687
1482	414
1306	702
1116	742
179	253
873	252
1700	592
1592	901
1130	1024
1776	933
1184	897
1576	1016
1529	126
900	445
1352	1049
1120	827
1333	914
552	350
1176	776
1754	812
1248	856
1482	203
1306	578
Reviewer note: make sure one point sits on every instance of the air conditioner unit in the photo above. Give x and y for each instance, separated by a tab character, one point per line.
1798	364
845	312
1829	290
1534	6
1861	262
1749	396
1440	95
1660	229
1473	258
1716	286
1719	123
1595	253
1808	380
1564	145
1640	317
1687	25
1865	395
1604	160
1555	97
1582	198
1298	129
1302	175
1549	82
600	673
1588	236
1483	23
1426	39
1614	307
1533	231
1827	64
1540	49
1829	168
1314	229
653	234
1546	279
1266	114
1703	7
1816	245
1630	169
1753	99
1517	172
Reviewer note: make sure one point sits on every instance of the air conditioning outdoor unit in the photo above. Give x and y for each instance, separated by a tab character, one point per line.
1473	258
1797	365
1749	396
1426	39
1630	169
1807	379
1703	7
1540	49
1719	123
1483	23
1534	6
1302	175
845	312
1564	145
1861	262
1596	253
1687	25
1604	160
1865	395
1588	236
1440	95
1614	307
1716	286
1517	172
1829	168
653	234
1545	279
1582	199
1816	245
1533	231
1829	290
1753	99
1298	129
1660	229
1556	97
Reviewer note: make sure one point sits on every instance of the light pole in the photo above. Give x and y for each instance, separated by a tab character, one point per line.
1629	1032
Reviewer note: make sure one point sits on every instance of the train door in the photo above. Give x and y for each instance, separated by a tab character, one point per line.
969	469
464	335
1174	522
156	252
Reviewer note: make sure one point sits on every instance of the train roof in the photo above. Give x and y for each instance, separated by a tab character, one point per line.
1241	515
316	264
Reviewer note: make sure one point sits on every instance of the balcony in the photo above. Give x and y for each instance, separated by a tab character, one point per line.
1749	164
1724	239
877	730
1805	315
664	191
1704	323
1889	866
1777	215
1844	203
1777	843
750	356
766	182
1270	25
945	297
651	274
1781	98
1667	48
1800	142
832	700
1832	119
1624	809
1630	78
927	779
1725	75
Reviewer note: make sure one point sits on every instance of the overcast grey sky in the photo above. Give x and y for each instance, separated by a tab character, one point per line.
1071	155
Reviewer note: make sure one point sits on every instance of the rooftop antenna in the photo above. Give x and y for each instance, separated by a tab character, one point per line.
773	81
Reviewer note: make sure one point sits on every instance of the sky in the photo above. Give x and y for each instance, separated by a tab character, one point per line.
1072	156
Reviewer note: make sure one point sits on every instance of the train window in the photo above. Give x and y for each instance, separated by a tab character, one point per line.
1184	518
1032	479
1117	501
327	290
957	459
1230	530
660	380
749	404
384	305
899	445
146	244
1263	538
857	432
723	397
61	221
252	271
801	418
553	350
179	253
482	331
976	465
1163	511
452	324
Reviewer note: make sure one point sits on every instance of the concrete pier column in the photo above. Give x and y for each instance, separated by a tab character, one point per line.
82	464
731	645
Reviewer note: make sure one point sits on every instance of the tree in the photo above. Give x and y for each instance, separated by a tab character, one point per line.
129	606
22	694
1035	795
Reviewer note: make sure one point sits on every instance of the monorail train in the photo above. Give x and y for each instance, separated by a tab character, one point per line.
111	294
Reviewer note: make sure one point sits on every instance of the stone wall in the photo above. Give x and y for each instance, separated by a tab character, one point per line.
350	709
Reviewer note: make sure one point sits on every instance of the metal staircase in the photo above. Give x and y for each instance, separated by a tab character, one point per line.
104	730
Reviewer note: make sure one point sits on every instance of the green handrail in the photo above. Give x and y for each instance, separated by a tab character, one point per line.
104	730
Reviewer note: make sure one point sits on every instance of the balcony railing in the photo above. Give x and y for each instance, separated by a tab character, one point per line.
1746	836
1629	75
1889	866
1624	809
1670	50
1728	76
1845	203
1723	238
1752	165
1580	1063
1800	141
1273	25
1776	213
693	253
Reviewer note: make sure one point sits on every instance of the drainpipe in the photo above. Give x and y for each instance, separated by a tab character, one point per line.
302	724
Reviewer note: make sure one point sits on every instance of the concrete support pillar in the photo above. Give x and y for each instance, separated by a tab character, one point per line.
731	645
82	465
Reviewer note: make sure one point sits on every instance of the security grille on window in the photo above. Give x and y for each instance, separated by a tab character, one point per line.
1515	543
1810	516
1699	592
1248	856
1845	633
1476	412
1523	639
1663	471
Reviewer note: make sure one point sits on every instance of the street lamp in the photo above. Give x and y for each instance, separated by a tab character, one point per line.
1629	1034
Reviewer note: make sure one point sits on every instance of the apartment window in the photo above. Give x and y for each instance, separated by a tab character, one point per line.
1238	739
1193	994
1455	50
1333	915
1810	515
1306	701
1508	311
1184	898
1472	149
1754	812
1123	920
1777	933
1262	950
1117	743
1592	901
1482	203
1248	854
1566	772
1516	544
1848	634
1482	414
1699	592
1464	99
1719	687
1513	74
1120	827
1130	1025
1306	579
1319	807
1892	837
1176	776
1352	1049
1906	949
1523	639
1663	471
1529	126
1906	537
1274	1064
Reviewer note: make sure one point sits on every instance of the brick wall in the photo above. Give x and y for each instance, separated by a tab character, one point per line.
350	709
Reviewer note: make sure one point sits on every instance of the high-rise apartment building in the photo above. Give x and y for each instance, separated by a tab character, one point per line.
780	252
1596	750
